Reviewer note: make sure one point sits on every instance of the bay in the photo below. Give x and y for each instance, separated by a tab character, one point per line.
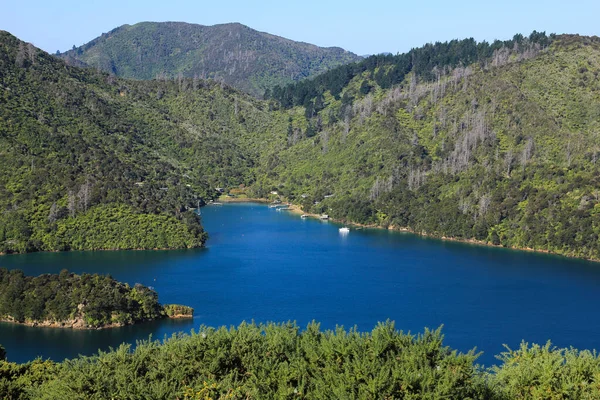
266	265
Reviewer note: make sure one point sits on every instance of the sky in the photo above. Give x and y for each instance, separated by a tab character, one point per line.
363	27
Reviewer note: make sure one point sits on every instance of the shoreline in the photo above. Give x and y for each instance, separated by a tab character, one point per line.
102	250
226	199
296	209
78	325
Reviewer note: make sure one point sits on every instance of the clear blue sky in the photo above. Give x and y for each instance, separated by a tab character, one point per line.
363	27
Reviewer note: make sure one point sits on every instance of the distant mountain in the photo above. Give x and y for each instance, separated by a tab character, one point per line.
242	57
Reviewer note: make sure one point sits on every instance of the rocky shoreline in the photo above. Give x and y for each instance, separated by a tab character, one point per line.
182	312
79	324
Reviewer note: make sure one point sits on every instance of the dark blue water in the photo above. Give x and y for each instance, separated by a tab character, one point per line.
265	265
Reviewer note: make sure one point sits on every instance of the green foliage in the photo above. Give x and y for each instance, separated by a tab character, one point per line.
242	57
426	62
77	144
177	310
2	353
282	361
545	372
17	380
120	227
503	151
273	361
83	301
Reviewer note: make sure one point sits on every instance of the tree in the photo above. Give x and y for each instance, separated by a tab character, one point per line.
2	353
365	88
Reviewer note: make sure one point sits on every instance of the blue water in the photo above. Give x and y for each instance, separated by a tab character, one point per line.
265	265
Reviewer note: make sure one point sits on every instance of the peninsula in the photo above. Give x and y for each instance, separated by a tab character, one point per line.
83	301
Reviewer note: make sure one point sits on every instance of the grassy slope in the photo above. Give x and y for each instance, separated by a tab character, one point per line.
242	57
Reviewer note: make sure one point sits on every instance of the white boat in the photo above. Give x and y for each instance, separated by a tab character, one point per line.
344	230
304	216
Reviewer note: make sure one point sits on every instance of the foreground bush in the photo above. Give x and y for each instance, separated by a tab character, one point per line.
279	361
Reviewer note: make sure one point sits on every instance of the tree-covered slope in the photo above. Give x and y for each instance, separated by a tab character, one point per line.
90	161
493	142
77	301
80	301
503	150
242	57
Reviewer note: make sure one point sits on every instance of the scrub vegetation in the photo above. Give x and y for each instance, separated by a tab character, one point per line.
281	361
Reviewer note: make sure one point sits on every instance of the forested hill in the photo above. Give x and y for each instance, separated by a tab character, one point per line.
427	63
90	161
78	301
492	142
239	56
502	149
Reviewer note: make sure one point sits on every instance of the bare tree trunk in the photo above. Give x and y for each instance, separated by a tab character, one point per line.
508	160
72	204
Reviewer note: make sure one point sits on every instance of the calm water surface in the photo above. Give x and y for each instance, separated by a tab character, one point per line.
265	265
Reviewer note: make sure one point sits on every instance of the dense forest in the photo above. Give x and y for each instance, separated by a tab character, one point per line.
502	151
281	361
78	301
232	53
476	141
427	63
490	142
89	161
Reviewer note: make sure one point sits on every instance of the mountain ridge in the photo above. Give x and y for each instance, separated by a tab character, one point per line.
234	53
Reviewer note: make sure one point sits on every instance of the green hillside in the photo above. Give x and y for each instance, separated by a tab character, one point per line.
89	161
233	53
84	301
496	143
489	142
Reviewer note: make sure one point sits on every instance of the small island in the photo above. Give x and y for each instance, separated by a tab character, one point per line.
85	301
